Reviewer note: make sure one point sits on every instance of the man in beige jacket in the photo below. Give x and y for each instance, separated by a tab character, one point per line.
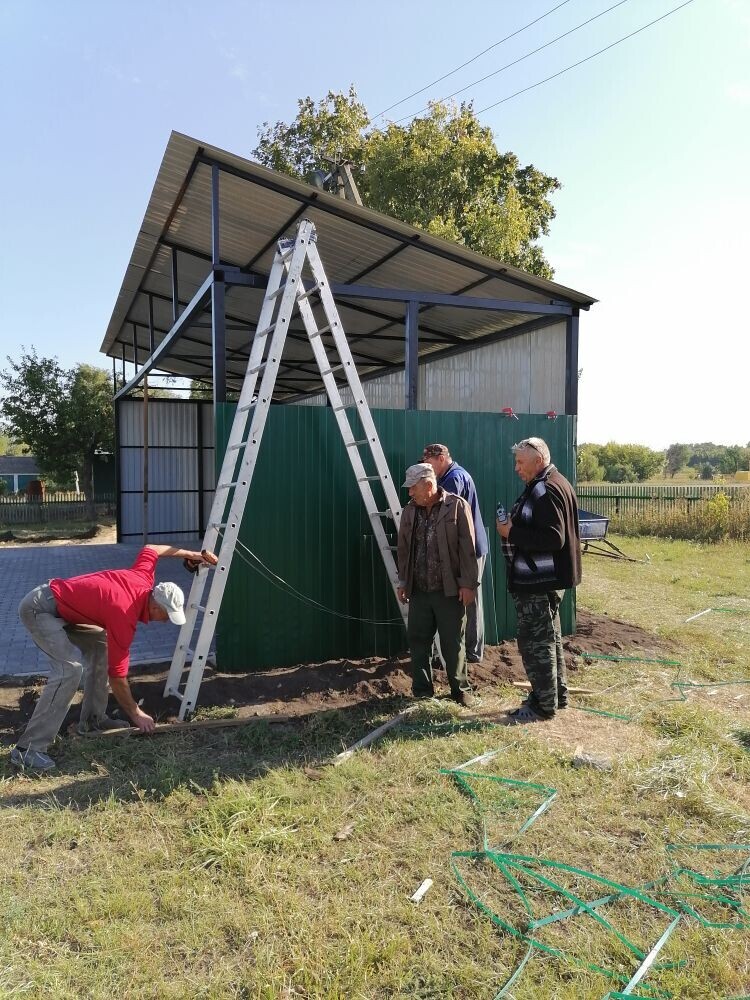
437	568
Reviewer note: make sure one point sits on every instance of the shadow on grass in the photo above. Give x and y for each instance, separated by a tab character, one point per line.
135	768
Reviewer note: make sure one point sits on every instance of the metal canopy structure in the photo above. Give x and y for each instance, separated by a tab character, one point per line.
193	289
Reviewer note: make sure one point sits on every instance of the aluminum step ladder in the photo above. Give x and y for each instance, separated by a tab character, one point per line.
286	290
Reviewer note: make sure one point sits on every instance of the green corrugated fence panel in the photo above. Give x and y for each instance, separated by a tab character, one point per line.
306	522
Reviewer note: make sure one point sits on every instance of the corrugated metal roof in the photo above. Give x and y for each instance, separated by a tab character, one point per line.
357	245
22	465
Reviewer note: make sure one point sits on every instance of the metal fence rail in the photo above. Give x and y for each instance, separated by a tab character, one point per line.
615	499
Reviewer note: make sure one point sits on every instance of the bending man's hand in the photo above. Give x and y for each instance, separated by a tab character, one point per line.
194	560
143	721
466	595
402	595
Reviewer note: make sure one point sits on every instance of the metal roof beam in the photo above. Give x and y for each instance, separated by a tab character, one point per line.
447	299
195	307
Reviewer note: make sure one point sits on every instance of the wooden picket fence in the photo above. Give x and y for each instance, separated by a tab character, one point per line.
18	509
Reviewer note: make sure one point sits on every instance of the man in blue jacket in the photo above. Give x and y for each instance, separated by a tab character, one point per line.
454	479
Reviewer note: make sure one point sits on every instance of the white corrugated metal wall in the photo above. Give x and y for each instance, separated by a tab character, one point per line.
180	463
526	372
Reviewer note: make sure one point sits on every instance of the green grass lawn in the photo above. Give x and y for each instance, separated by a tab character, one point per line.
207	864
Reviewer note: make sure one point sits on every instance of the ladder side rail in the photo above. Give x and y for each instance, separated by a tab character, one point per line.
225	477
350	369
234	518
360	473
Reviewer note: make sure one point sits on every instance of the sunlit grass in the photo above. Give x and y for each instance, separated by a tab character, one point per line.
240	862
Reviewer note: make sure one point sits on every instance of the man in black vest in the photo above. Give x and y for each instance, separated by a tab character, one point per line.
541	545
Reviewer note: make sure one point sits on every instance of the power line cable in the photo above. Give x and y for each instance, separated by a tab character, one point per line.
520	59
582	61
469	61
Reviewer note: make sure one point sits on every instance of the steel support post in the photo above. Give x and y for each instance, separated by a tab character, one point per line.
118	474
218	297
151	338
123	363
135	347
411	356
175	287
571	363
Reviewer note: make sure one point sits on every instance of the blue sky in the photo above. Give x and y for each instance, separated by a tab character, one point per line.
651	141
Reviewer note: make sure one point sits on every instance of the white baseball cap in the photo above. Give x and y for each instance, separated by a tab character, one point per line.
172	599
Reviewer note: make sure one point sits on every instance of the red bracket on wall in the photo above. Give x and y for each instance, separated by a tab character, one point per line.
507	411
551	415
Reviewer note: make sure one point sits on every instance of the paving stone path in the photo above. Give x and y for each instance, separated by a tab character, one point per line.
25	566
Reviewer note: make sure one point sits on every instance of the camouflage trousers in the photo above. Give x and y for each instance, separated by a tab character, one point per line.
541	649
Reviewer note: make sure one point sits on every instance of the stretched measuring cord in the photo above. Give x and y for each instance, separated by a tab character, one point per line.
276	581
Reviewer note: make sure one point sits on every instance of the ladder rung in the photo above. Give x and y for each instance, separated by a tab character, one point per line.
391	548
365	479
381	513
218	524
310	291
258	368
245	408
279	291
330	371
228	486
199	607
236	447
265	331
356	444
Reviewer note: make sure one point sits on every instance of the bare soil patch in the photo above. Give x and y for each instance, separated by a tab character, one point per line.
311	688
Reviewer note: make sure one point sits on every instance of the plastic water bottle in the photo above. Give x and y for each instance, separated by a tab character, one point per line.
501	514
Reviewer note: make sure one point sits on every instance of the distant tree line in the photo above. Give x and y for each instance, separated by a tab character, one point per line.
707	459
635	463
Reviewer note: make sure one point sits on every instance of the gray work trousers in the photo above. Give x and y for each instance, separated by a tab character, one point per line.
71	652
474	624
475	621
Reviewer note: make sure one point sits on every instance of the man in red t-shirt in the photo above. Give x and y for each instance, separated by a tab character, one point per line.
95	615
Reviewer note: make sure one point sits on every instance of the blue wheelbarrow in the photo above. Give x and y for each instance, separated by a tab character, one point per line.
593	528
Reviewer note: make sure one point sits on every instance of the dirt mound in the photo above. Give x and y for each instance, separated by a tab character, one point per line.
317	687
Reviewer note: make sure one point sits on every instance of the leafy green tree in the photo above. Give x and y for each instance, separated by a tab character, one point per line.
707	471
442	173
588	468
705	452
677	457
200	390
629	463
733	459
64	415
8	445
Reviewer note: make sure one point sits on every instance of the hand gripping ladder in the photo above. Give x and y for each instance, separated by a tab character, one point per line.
247	430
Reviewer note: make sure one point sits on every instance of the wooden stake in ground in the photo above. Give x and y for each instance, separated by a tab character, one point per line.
181	727
527	687
374	735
